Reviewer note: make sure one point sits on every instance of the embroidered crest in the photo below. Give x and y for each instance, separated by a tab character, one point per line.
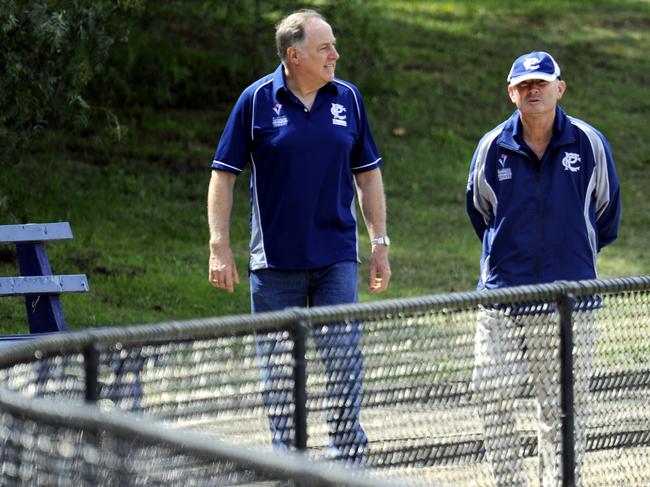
337	112
571	161
531	63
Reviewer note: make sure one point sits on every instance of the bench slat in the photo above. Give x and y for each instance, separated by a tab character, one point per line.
26	285
35	232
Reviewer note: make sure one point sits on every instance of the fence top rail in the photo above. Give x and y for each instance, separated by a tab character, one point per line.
35	232
216	327
268	464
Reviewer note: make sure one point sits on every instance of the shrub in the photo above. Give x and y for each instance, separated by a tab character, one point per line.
51	51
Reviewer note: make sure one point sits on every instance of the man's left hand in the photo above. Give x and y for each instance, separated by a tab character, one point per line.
379	276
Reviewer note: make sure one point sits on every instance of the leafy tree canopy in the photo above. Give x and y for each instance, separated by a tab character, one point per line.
52	49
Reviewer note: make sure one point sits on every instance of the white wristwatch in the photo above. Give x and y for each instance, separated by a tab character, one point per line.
383	240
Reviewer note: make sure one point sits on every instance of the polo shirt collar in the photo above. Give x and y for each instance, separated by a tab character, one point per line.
279	83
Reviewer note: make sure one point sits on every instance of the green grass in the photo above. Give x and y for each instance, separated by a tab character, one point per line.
135	197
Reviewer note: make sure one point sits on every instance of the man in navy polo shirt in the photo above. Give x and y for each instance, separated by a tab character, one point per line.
308	142
543	197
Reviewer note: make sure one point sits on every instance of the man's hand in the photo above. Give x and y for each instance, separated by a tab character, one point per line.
222	271
379	276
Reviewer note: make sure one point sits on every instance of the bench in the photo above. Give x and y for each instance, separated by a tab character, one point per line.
36	283
41	290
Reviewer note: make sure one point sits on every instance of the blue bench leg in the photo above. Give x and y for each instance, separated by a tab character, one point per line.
44	313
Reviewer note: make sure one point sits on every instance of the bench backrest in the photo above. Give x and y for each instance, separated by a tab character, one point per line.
37	283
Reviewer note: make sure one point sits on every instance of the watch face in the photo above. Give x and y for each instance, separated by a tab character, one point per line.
382	240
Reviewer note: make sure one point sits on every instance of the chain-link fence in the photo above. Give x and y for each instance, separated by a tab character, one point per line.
537	385
48	443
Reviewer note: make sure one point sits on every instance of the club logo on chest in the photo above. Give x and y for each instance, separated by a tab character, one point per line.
338	117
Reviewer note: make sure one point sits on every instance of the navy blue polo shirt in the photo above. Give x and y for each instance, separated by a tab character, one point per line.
302	164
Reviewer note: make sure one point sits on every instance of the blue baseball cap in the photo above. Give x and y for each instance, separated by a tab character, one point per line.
534	65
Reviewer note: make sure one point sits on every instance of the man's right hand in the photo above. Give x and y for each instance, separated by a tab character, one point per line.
222	271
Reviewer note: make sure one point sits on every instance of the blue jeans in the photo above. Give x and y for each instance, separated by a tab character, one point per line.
337	345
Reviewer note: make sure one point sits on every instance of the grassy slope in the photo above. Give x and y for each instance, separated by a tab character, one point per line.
454	60
137	207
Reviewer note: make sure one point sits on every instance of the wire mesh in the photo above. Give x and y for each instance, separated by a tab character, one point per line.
71	445
452	390
618	440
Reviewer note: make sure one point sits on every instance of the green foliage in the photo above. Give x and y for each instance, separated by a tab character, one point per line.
198	54
51	49
362	44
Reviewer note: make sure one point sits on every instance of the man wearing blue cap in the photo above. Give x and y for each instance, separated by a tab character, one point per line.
306	137
543	197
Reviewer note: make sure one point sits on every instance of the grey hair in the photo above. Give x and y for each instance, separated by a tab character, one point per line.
290	31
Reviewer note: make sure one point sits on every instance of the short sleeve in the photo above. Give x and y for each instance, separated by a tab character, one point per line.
365	156
233	150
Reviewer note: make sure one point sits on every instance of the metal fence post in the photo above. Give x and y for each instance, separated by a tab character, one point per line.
91	365
300	384
566	305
